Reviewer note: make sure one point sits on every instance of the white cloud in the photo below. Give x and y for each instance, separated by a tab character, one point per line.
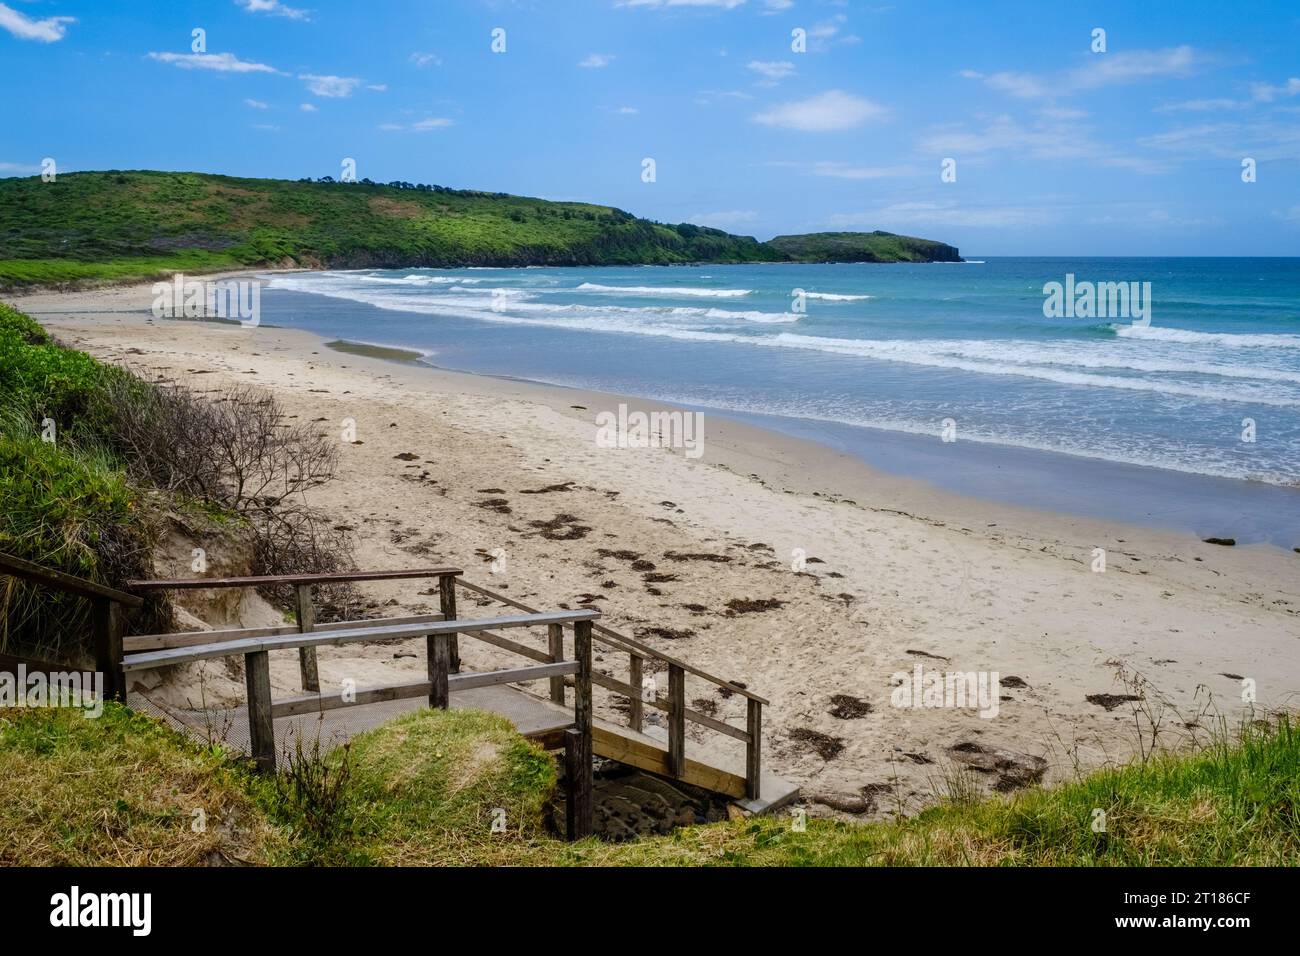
1022	85
776	6
1267	93
270	127
1060	139
420	126
709	97
425	59
1100	70
255	104
825	112
724	220
1262	140
773	70
838	170
1062	113
273	8
1212	105
826	33
1131	65
826	29
722	4
332	87
941	214
307	108
596	61
627	111
20	168
1259	93
377	87
220	62
49	30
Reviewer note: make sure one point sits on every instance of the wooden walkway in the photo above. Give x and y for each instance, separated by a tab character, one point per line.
534	718
263	727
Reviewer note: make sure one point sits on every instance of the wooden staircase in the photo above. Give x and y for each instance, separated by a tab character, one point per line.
565	661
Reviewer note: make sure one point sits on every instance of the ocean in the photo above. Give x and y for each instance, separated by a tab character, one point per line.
1203	380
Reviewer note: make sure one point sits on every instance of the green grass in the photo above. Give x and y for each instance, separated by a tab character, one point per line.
65	503
422	790
72	512
45	380
122	790
1235	803
19	273
429	785
120	225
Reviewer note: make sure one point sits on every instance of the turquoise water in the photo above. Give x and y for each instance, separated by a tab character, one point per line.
899	348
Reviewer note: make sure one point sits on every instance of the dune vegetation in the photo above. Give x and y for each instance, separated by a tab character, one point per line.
427	788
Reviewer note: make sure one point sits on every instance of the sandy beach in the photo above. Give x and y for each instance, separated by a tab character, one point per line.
897	572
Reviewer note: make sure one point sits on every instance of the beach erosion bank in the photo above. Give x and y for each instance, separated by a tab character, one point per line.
698	556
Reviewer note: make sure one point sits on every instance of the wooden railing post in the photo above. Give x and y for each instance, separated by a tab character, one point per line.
447	604
261	726
754	748
581	800
555	645
676	720
106	620
305	612
439	650
635	711
577	823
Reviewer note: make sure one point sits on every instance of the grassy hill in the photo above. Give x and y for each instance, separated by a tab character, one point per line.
115	226
862	247
422	790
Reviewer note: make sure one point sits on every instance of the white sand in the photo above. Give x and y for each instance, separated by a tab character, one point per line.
903	567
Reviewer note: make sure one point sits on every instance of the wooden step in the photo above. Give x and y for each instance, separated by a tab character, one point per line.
719	773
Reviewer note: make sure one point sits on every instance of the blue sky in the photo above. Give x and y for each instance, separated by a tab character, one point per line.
1059	150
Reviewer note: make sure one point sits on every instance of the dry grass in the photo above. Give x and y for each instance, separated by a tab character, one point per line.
121	789
425	789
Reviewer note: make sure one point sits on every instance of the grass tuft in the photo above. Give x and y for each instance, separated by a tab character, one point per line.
122	789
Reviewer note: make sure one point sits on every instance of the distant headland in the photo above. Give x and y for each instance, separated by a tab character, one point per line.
133	225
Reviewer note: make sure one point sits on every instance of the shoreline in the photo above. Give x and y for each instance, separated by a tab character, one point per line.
1206	505
899	572
991	458
1113	490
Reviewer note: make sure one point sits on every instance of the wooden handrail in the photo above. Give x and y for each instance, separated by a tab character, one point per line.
319	703
440	636
304	609
664	704
271	580
377	631
622	642
674	704
16	567
159	642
